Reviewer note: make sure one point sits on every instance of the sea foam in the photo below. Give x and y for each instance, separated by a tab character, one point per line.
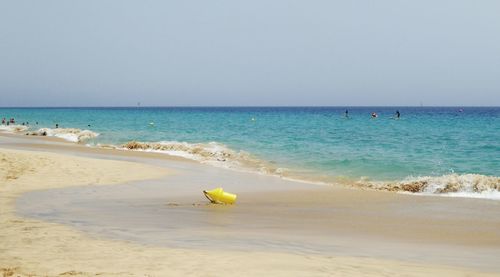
213	153
69	134
13	128
453	185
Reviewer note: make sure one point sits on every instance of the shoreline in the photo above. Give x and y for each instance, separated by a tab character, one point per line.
466	185
267	259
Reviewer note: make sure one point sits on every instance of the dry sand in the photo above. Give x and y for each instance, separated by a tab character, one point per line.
31	247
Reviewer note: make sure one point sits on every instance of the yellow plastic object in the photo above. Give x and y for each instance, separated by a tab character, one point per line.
219	196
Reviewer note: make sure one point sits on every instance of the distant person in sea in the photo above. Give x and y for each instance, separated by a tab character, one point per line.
57	125
3	120
398	114
346	114
374	115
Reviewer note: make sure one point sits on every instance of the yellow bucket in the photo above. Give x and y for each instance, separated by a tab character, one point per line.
219	196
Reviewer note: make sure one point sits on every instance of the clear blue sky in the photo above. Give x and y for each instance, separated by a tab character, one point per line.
259	52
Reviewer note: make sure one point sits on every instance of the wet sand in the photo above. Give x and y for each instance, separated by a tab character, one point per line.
278	227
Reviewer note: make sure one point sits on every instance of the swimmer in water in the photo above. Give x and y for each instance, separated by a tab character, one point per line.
374	115
346	114
398	114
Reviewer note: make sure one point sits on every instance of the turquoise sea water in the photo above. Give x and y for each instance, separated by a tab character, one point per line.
309	141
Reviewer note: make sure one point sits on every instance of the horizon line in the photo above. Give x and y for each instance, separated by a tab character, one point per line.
257	106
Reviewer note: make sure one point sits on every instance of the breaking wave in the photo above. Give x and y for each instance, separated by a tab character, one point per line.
217	154
210	153
454	185
13	128
69	134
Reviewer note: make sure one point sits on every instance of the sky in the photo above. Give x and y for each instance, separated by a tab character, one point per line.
250	53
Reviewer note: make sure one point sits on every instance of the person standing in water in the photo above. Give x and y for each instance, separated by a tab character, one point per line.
398	114
346	114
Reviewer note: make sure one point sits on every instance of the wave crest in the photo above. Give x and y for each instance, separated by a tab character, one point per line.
13	128
69	134
452	184
212	153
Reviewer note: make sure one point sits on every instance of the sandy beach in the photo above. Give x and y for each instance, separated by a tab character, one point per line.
249	138
73	210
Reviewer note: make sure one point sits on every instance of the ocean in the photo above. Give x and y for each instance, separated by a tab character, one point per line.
448	151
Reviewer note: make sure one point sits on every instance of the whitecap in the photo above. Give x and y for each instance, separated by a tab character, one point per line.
13	128
451	185
212	153
69	134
